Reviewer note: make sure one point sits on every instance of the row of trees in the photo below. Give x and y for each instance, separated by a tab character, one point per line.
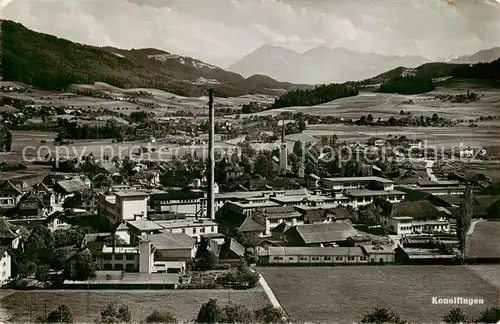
212	312
407	85
5	139
454	316
318	95
43	251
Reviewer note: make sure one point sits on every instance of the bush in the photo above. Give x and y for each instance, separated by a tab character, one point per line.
115	313
62	314
161	317
268	315
382	315
234	313
210	312
456	315
490	315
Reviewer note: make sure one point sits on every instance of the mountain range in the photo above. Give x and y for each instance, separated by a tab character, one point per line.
49	62
327	65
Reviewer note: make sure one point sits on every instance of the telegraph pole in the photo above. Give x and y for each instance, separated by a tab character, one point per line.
211	159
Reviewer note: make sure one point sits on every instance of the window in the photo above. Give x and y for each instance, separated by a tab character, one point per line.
327	258
118	256
107	257
130	267
303	258
118	266
276	258
202	230
194	230
363	258
212	228
184	231
351	258
315	258
339	258
130	257
290	258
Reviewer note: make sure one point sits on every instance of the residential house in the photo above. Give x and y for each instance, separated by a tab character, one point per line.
10	235
11	192
273	216
411	217
233	172
231	251
328	234
5	265
67	188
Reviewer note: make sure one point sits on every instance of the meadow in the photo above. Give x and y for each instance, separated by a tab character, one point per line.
345	293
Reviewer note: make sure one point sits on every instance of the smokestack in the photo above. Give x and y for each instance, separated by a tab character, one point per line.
211	160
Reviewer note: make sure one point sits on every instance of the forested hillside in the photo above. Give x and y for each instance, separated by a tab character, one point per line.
49	62
407	85
490	71
316	96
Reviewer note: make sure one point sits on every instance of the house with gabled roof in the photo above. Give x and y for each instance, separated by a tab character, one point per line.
10	235
412	217
11	192
327	234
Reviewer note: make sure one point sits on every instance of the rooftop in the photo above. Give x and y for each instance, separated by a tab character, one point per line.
367	192
354	179
185	223
172	241
314	251
131	194
145	225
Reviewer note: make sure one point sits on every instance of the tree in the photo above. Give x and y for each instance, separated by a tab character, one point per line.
62	314
40	238
464	217
369	118
81	267
455	316
161	317
73	201
5	139
269	315
234	313
302	125
297	149
115	313
262	166
205	260
382	315
210	312
42	274
489	315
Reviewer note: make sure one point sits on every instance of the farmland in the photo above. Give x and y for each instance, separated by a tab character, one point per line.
185	304
344	294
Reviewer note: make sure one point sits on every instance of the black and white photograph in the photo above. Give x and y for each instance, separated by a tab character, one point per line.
250	161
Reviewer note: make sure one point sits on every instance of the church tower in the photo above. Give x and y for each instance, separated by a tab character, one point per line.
283	151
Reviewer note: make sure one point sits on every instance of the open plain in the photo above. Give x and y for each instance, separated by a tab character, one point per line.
345	293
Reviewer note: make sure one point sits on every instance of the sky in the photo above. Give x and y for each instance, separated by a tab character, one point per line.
223	31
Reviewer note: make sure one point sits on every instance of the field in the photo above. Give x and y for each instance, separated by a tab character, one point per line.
484	241
167	102
185	304
344	294
385	105
480	136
